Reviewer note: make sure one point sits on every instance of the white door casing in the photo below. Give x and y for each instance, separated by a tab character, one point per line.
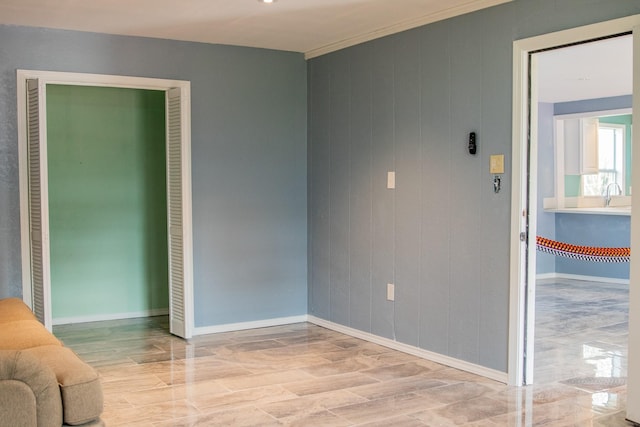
36	281
519	305
633	375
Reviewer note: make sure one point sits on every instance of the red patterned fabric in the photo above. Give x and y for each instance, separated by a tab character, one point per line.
587	253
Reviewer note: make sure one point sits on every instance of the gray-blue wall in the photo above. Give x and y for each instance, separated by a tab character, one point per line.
546	221
249	161
407	103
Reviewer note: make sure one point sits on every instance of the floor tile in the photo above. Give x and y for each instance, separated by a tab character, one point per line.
305	375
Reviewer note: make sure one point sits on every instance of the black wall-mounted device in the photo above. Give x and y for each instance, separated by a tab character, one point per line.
472	143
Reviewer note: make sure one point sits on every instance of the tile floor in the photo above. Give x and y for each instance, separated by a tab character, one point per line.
305	375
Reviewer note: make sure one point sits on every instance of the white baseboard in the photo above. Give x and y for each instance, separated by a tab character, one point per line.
115	316
415	351
580	277
547	276
230	327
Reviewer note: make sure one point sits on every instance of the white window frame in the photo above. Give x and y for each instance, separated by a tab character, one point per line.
559	147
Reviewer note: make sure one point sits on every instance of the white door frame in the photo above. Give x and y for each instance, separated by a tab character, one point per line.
83	79
633	374
521	305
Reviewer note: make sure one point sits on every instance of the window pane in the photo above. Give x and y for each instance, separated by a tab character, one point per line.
606	152
596	184
610	163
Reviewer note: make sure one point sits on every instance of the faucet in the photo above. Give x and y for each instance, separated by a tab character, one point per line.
607	197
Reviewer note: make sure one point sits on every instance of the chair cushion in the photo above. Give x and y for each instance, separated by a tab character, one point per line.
80	388
22	334
14	309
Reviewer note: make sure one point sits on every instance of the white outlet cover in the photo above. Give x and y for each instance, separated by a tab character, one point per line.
391	292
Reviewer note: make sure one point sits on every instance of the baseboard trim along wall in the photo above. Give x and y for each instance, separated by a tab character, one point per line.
115	316
580	277
415	351
230	327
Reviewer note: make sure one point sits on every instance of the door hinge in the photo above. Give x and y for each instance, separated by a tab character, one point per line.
523	236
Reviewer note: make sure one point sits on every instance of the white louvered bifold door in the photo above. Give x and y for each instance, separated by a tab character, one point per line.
178	299
38	203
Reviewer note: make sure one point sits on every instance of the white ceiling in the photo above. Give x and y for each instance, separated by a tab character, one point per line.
316	27
310	26
587	71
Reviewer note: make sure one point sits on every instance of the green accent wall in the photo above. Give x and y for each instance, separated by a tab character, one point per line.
107	200
572	185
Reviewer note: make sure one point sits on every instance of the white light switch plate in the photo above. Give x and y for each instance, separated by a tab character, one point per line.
391	180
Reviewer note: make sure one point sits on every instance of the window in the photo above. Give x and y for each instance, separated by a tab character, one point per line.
611	143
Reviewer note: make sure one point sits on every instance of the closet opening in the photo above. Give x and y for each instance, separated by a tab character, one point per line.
107	203
105	180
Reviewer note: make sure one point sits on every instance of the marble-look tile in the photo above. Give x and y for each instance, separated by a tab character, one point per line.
115	401
183	375
558	413
606	402
617	419
315	419
615	328
596	384
305	375
396	387
133	383
178	354
249	397
266	361
170	393
390	357
261	380
311	404
131	369
452	375
151	413
385	373
307	339
359	363
401	421
482	423
317	349
372	350
378	409
348	343
472	410
322	385
254	346
240	417
456	392
549	393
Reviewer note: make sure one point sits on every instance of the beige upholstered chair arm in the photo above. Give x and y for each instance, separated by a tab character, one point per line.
29	392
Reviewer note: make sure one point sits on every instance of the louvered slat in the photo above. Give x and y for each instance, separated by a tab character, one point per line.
35	200
175	212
